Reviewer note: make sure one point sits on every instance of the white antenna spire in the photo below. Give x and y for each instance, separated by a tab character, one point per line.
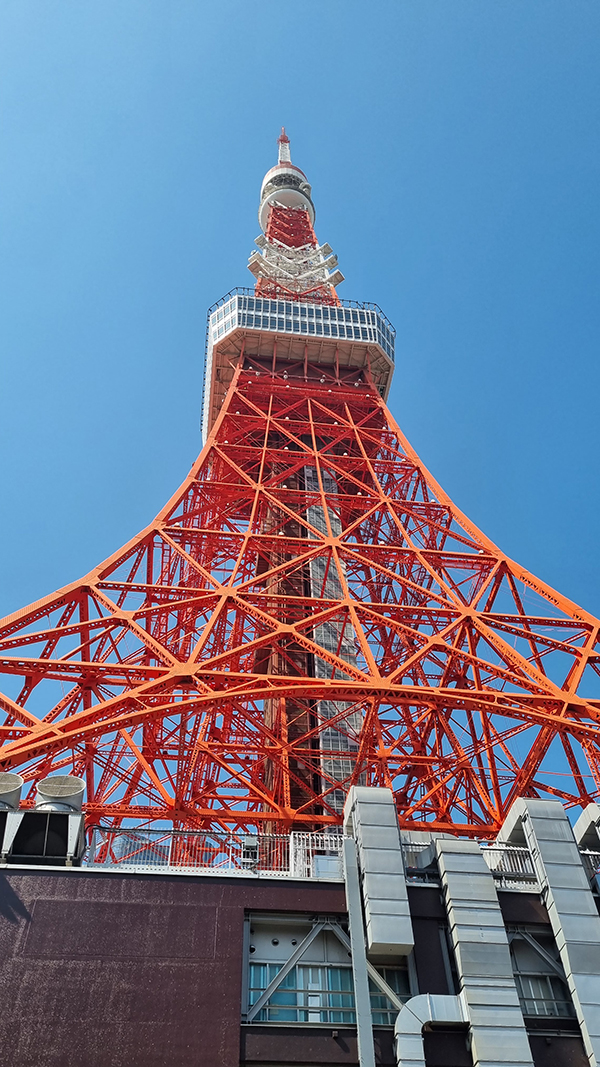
284	147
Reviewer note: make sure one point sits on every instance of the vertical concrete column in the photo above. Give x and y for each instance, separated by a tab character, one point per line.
571	906
587	828
362	997
487	985
374	871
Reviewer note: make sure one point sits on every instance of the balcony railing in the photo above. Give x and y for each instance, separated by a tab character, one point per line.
591	862
421	875
298	855
543	995
511	866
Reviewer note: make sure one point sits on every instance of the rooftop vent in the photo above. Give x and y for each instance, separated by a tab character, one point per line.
10	790
60	792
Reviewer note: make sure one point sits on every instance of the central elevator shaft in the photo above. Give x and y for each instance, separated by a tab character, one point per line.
292	335
335	635
323	754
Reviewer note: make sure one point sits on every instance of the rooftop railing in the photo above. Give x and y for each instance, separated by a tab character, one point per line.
591	862
297	855
511	865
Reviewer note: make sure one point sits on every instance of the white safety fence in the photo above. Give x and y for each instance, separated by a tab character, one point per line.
591	862
511	865
297	855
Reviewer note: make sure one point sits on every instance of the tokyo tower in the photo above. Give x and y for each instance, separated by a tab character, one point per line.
310	610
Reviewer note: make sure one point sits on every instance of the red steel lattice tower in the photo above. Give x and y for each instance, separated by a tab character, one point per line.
310	610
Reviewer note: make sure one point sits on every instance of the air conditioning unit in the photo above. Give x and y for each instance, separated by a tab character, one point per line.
249	856
10	796
52	834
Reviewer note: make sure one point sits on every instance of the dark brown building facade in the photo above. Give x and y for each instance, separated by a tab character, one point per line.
107	969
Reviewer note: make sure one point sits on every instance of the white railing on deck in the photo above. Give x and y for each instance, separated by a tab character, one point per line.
511	865
591	862
411	850
297	855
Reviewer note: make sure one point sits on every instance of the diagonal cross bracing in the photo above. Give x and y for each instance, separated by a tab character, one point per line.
279	633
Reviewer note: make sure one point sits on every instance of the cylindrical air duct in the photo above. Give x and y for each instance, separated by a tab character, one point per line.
60	792
10	790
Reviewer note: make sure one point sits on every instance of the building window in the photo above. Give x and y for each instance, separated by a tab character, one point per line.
539	975
383	1012
543	994
308	994
318	987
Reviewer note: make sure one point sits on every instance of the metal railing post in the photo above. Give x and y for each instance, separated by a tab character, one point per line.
92	852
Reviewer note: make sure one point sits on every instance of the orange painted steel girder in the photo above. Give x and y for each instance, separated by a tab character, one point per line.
179	677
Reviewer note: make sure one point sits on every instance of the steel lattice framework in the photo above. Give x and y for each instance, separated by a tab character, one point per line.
309	611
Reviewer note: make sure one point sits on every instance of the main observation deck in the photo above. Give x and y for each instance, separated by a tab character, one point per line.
349	337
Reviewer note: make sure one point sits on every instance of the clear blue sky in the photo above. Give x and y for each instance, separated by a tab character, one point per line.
453	148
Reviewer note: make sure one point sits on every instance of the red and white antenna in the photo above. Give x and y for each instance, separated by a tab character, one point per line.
291	264
284	147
